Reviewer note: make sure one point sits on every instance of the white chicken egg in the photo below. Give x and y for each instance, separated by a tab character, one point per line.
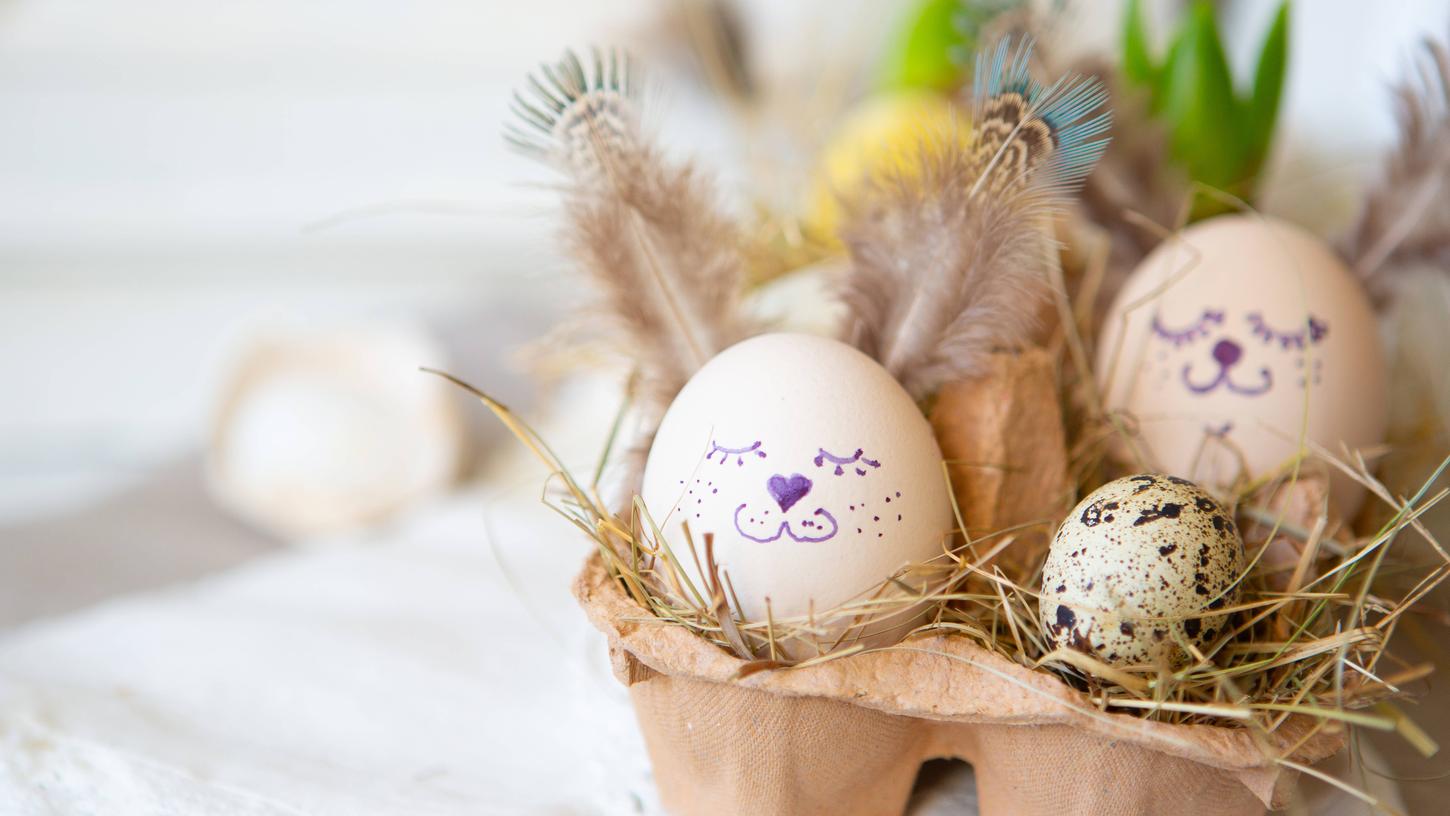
1232	342
323	430
1134	567
816	474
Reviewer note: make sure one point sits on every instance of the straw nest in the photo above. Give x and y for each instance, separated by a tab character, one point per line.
1309	636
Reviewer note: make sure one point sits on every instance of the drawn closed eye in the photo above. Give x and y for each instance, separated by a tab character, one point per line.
1313	332
857	459
739	453
1198	329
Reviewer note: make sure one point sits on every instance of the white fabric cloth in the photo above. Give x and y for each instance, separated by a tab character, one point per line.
414	674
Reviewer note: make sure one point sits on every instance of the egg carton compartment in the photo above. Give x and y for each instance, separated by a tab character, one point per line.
848	736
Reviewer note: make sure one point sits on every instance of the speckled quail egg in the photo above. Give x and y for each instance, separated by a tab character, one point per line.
1134	567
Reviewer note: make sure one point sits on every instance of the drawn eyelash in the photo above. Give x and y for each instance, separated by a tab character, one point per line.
1313	331
738	453
1199	329
822	457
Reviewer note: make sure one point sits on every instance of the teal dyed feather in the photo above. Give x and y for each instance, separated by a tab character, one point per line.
950	256
574	112
1059	130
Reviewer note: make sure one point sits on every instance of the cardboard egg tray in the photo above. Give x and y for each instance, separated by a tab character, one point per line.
848	736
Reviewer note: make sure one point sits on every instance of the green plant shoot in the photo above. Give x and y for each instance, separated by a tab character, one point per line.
1219	135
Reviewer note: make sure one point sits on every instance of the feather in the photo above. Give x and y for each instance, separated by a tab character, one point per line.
707	40
647	230
1404	223
950	256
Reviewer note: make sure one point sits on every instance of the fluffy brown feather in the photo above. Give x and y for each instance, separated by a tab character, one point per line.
950	255
1404	224
648	231
938	279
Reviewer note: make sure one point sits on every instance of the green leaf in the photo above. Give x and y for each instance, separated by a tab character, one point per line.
1262	109
1138	64
923	53
933	48
1199	104
1159	98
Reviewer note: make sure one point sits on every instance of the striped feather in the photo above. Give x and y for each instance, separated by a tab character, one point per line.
950	256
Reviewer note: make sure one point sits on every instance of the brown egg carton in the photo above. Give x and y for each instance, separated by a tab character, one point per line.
848	736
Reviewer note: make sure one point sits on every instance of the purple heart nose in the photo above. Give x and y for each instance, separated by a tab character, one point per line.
787	492
1227	352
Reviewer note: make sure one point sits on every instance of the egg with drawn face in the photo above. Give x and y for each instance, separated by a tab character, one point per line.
813	471
1234	342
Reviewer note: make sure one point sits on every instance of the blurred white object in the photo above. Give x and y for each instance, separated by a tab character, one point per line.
322	431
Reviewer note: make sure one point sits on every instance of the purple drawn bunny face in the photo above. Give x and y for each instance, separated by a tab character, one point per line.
1227	354
1238	346
800	499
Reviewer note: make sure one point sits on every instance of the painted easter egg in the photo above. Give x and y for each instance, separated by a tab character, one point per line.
1135	567
816	474
1235	342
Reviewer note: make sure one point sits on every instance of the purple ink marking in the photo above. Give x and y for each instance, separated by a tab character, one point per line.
1227	354
787	491
1315	330
785	529
822	457
1198	329
1266	382
1220	432
738	453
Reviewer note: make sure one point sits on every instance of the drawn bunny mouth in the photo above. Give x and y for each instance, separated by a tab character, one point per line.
1228	354
823	528
1265	383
